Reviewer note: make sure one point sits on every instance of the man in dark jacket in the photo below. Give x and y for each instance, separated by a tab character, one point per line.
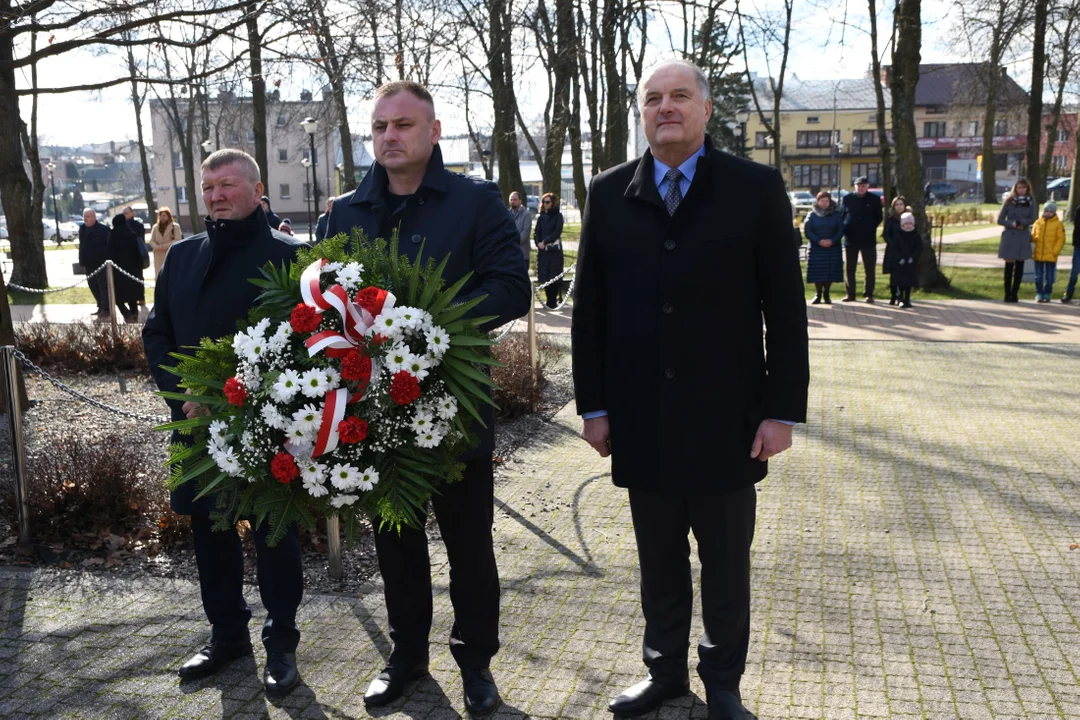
463	218
139	231
93	239
203	291
672	378
272	220
862	214
321	225
1075	272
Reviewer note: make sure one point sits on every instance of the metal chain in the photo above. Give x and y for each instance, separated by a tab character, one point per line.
553	280
566	297
506	331
85	398
117	268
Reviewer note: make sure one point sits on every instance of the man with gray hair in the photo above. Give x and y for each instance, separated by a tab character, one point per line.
523	223
202	291
690	421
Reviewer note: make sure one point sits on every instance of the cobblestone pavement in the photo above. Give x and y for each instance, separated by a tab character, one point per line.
912	560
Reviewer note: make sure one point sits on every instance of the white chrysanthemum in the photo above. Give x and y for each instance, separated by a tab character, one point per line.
340	500
286	387
438	340
218	429
331	267
399	358
431	437
348	277
409	317
226	460
447	407
387	324
333	377
368	479
311	470
272	416
421	422
280	339
259	331
314	488
299	437
238	342
307	419
314	382
344	476
418	366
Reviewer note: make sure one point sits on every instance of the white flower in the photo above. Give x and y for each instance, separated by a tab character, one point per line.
259	331
438	340
286	387
218	429
344	476
368	479
314	382
227	461
387	324
447	407
314	489
238	342
280	339
251	377
409	317
311	470
399	358
418	366
298	436
308	419
349	276
331	267
333	376
247	440
421	422
272	416
431	437
340	500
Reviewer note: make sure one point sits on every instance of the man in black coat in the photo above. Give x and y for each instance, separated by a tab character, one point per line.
93	242
408	190
672	378
203	291
862	214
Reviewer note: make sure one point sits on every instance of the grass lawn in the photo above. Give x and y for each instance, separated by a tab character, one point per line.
74	296
967	284
954	229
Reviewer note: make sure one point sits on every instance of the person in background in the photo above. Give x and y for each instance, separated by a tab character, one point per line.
123	250
1018	214
1075	272
320	226
93	244
285	226
165	232
825	262
906	248
861	211
1048	236
892	227
139	231
522	221
271	217
548	239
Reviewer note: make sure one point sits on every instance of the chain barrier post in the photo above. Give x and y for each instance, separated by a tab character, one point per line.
112	297
333	544
532	348
18	452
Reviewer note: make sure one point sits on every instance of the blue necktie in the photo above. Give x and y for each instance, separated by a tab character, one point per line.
674	193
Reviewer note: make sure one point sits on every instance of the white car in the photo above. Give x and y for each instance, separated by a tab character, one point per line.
68	230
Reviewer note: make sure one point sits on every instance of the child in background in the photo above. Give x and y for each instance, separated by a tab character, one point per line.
906	246
1048	236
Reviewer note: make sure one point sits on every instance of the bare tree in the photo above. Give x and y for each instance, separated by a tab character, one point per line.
771	34
1035	102
138	100
1061	64
879	116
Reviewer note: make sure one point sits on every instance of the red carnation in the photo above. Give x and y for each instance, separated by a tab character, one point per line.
404	388
356	367
284	468
304	319
352	430
371	299
235	392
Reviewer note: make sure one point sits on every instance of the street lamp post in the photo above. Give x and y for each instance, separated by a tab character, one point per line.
310	125
742	117
206	145
307	200
56	210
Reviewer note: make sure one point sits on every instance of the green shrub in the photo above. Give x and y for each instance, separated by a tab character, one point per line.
517	394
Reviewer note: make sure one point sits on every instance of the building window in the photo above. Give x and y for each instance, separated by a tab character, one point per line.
1001	127
812	120
872	171
1063	136
281	120
1059	162
934	129
284	191
178	161
864	138
760	141
973	128
283	155
251	136
815	176
816	138
181	195
234	138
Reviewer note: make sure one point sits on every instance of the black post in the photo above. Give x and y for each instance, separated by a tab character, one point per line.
307	201
56	210
314	178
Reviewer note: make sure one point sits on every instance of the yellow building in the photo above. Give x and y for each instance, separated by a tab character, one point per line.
828	132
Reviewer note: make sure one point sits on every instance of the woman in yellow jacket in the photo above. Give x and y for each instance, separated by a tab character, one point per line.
166	231
1048	236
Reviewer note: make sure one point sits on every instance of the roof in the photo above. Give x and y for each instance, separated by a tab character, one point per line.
807	95
963	84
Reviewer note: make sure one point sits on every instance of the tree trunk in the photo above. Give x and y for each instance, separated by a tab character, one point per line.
258	97
879	93
576	154
1065	66
373	11
616	134
1035	103
562	65
137	103
500	69
906	58
7	337
989	174
336	74
1074	196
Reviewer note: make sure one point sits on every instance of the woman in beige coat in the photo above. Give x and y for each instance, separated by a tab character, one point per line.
166	231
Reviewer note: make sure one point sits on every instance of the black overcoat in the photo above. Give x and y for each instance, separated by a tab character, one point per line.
123	249
667	325
906	246
203	291
862	215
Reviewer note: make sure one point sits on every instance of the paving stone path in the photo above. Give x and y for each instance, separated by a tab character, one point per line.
912	560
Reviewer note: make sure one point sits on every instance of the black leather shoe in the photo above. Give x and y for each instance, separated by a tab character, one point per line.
280	675
848	298
725	705
214	656
390	683
481	695
646	696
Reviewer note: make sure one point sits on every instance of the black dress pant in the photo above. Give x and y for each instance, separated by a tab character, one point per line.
723	525
220	559
851	261
98	289
464	511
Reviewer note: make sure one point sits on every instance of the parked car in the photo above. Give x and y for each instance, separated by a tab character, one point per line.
533	203
801	200
68	230
941	193
1059	189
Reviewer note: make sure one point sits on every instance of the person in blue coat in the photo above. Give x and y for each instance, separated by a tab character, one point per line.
825	262
464	220
202	292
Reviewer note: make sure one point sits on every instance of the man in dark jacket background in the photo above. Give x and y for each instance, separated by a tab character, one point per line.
862	214
408	190
203	291
1070	288
672	378
93	241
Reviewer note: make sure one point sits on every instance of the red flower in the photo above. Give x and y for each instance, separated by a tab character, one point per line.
356	367
404	388
235	392
304	319
352	430
284	468
371	299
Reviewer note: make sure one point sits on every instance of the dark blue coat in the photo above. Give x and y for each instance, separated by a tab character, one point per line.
203	292
862	215
320	227
453	215
824	264
93	242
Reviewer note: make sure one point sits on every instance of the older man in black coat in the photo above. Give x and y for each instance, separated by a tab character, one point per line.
673	380
93	243
203	291
862	213
408	190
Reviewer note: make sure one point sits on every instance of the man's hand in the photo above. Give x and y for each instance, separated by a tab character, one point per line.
193	409
826	243
542	246
597	433
772	438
